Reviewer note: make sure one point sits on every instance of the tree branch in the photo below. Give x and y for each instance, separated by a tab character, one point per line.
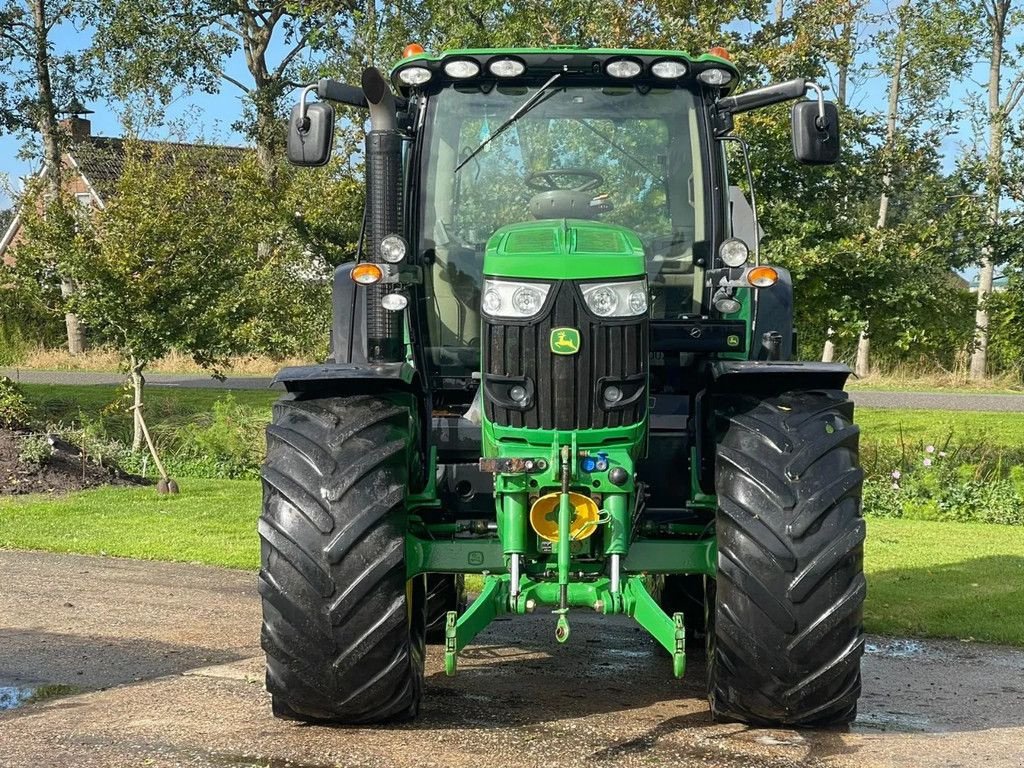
225	76
58	15
1014	94
229	27
288	57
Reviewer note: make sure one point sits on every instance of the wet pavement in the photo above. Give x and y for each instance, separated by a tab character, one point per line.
169	657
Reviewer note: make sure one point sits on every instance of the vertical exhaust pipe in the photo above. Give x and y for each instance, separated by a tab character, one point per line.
384	340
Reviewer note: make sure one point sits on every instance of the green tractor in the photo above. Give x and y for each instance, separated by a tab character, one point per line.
558	363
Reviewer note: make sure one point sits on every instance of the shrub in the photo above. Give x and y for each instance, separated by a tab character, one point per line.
14	408
226	443
932	486
35	450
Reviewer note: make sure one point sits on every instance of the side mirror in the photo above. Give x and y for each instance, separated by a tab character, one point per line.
310	134
816	132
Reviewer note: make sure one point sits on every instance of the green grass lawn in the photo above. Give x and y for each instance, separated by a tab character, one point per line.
1002	430
927	579
211	521
54	403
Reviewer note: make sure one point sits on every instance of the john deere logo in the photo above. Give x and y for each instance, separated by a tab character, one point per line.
565	341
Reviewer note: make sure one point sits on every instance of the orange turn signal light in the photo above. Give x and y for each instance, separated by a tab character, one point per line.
367	274
763	277
412	49
720	52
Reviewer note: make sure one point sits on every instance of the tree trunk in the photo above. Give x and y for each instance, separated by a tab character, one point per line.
46	122
862	367
75	329
892	113
846	58
138	384
828	353
997	124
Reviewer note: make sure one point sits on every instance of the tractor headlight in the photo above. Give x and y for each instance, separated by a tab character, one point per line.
715	76
392	249
623	68
734	252
668	69
414	75
506	67
622	299
505	298
461	68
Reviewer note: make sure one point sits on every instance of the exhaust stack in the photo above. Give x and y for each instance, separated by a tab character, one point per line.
383	212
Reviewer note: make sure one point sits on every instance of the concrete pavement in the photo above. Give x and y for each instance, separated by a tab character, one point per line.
168	657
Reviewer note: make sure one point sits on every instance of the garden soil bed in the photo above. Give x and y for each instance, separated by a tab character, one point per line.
63	471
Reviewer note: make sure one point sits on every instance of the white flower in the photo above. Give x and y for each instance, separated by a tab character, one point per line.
896	474
896	486
927	462
942	454
929	449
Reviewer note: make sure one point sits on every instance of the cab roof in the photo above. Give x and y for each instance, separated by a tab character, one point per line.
578	65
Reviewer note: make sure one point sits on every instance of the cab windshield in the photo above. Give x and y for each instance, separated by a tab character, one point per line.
621	155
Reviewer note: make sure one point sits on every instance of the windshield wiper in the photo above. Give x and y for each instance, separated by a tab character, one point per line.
525	107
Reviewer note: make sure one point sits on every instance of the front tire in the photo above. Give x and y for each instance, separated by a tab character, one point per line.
787	634
445	592
343	629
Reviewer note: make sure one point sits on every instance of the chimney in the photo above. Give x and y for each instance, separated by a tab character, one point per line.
76	125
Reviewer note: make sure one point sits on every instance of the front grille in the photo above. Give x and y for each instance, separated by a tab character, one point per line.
565	388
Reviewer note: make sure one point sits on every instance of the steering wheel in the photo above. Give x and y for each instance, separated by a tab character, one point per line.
547	181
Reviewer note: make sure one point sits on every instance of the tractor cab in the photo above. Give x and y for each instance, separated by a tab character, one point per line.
599	147
559	363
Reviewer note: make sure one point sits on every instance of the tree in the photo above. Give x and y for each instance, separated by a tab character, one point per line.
999	109
36	82
158	267
152	47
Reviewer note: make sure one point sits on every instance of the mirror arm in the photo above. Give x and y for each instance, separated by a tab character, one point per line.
822	121
303	105
764	97
343	93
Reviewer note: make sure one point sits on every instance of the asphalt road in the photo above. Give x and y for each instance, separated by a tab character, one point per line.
167	660
901	400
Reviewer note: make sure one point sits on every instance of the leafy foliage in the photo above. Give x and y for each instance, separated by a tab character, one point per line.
14	408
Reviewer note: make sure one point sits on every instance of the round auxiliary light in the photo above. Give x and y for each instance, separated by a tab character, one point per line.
392	249
367	274
612	394
720	52
728	305
716	76
506	67
414	75
668	69
394	302
461	68
588	463
491	301
762	277
527	300
623	68
734	252
518	393
603	301
412	49
638	302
